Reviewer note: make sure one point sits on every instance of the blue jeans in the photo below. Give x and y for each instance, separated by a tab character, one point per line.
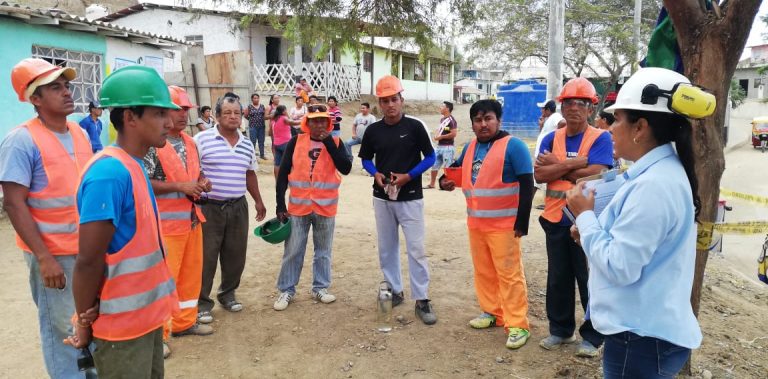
336	133
296	247
55	308
256	134
628	355
352	142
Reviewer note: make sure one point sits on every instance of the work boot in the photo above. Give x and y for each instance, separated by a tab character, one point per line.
196	330
586	350
397	298
554	342
425	313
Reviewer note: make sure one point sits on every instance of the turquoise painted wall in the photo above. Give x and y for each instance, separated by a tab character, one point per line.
18	39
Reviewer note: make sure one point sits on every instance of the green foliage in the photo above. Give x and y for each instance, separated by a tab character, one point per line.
738	95
598	33
350	23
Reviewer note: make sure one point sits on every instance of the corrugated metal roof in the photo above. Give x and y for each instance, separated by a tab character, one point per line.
61	19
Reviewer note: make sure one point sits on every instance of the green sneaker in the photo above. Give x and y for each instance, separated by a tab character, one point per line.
485	320
517	338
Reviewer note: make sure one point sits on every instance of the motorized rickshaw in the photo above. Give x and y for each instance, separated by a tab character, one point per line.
760	133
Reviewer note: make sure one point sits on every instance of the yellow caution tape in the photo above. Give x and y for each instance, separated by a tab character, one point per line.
743	196
707	229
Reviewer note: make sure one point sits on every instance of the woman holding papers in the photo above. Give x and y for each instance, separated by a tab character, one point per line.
642	247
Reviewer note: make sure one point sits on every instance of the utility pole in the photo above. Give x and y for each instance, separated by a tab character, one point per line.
636	35
556	48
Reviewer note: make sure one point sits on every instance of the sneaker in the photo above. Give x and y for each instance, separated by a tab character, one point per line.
397	298
517	338
425	313
166	350
553	342
196	330
282	301
323	296
205	317
485	320
586	350
232	306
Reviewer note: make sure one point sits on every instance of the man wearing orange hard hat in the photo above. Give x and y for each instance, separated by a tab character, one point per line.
398	142
40	163
177	181
566	155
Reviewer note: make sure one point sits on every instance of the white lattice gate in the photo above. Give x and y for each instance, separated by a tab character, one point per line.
327	79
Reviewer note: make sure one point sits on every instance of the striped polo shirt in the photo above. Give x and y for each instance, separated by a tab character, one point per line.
225	165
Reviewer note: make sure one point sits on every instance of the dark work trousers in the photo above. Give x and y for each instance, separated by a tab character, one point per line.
566	266
225	239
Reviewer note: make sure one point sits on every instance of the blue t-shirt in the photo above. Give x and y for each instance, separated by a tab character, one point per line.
601	152
106	193
517	159
94	132
21	162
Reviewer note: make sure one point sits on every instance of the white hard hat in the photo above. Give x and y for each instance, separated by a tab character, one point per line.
640	92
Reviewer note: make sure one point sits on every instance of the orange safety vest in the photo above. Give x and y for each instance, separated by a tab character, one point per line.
491	203
554	199
318	193
138	294
175	208
54	208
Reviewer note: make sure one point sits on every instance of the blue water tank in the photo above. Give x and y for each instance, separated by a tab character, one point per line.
520	115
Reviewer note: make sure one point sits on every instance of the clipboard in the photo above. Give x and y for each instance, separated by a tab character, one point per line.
605	186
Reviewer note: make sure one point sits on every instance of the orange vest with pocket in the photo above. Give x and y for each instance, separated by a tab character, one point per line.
491	203
318	192
54	209
138	294
554	199
175	208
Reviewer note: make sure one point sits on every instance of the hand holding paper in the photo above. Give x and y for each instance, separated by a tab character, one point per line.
578	201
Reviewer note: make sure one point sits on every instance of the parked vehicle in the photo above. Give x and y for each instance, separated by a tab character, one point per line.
760	133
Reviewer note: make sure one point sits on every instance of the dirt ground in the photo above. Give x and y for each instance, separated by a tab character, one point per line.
339	340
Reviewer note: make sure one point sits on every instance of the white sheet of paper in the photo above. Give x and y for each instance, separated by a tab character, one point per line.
604	191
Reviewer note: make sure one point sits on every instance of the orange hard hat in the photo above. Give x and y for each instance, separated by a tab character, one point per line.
578	88
31	73
388	85
180	97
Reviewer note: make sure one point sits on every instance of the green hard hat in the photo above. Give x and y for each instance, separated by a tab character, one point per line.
274	231
134	86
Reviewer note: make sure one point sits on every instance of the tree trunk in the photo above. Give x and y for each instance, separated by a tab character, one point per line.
710	48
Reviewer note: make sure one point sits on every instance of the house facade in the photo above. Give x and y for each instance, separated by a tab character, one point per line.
94	49
748	76
277	63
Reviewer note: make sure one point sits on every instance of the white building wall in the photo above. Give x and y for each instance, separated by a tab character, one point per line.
119	51
413	90
382	65
220	34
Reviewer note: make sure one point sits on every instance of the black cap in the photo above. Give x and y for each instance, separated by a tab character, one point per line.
549	105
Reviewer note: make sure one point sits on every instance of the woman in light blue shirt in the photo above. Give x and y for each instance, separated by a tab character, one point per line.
642	248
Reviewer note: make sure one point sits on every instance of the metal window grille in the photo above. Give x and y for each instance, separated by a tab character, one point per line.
367	62
440	73
87	83
196	39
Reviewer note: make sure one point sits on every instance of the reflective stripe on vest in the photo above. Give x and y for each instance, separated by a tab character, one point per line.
54	208
555	194
318	193
137	294
137	301
491	203
175	208
554	198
